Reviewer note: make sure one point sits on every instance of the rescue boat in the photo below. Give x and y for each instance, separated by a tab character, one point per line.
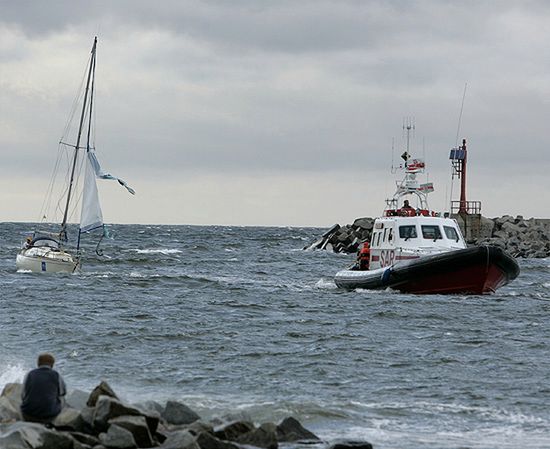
416	250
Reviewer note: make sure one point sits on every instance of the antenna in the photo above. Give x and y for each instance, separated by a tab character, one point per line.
392	151
408	126
460	116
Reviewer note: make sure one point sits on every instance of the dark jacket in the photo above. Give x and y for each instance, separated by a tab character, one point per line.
43	388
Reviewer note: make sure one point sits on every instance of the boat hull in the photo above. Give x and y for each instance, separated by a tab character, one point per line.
477	270
46	261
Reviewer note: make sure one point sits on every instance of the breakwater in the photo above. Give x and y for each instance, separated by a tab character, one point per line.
101	420
524	238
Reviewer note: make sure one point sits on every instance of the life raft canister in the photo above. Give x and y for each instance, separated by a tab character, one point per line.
364	257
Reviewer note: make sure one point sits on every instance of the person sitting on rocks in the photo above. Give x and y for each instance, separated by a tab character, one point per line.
43	391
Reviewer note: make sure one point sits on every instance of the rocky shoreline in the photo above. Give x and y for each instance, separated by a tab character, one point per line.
100	420
522	238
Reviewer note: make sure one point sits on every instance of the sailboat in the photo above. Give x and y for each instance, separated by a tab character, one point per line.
48	252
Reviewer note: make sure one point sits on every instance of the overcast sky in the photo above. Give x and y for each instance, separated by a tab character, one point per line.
259	112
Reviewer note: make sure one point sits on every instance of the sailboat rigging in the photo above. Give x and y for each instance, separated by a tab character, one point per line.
46	251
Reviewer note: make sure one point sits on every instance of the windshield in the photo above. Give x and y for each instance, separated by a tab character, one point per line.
431	232
407	232
451	233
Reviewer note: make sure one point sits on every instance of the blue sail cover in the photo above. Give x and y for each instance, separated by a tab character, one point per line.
103	175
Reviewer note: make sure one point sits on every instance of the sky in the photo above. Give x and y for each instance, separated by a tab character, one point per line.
280	113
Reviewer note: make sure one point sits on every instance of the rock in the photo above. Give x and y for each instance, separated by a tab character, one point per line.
504	219
149	406
25	435
351	445
77	399
208	441
198	427
364	223
108	408
87	415
103	389
84	438
264	436
71	419
137	425
498	231
290	429
182	439
511	228
233	430
178	413
117	438
486	228
8	412
12	392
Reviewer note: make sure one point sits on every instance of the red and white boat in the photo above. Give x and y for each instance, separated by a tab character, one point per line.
416	250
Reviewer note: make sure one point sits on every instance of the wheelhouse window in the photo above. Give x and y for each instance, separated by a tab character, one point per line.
431	232
451	233
407	232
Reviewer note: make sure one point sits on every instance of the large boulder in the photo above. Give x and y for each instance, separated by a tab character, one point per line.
181	439
8	411
12	392
10	401
290	429
233	430
71	419
85	439
77	399
108	408
103	389
264	436
138	426
351	445
25	435
198	427
208	441
177	413
364	223
117	438
486	228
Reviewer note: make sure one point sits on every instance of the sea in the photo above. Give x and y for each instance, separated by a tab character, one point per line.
241	322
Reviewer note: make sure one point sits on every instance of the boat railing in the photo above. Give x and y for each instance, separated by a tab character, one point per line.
470	207
410	212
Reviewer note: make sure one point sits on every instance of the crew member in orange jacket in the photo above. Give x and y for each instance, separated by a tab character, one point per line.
363	258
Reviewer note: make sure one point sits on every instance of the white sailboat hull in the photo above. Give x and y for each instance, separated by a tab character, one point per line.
46	260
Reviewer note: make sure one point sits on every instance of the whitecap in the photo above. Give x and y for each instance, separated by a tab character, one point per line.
11	373
158	251
324	284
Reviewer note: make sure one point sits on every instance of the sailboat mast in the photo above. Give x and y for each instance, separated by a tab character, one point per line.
63	232
90	115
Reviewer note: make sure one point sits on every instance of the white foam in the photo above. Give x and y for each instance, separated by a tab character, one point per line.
324	284
11	373
158	251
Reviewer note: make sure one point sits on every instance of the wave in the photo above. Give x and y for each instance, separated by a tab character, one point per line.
158	251
11	373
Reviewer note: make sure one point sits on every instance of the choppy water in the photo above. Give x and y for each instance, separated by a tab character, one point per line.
231	319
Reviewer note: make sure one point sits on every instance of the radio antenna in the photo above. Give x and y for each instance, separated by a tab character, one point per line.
460	116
